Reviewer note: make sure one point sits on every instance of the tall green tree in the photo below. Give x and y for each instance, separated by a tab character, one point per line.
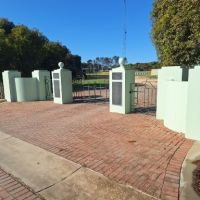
6	25
176	31
27	49
54	53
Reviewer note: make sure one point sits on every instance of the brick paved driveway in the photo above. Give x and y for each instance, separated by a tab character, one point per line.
132	149
12	189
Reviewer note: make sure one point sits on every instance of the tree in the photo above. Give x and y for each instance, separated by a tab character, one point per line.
175	31
7	53
115	60
6	25
54	53
73	62
27	49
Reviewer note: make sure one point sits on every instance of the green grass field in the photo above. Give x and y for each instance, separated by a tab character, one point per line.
95	81
100	73
92	82
100	79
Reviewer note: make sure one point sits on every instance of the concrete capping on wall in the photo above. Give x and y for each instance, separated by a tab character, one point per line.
178	100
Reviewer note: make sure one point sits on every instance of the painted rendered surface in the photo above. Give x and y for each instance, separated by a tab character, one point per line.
128	78
65	83
176	106
178	102
165	74
9	84
43	84
26	89
193	113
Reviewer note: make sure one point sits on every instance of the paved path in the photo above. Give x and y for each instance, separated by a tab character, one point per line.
131	149
55	178
190	165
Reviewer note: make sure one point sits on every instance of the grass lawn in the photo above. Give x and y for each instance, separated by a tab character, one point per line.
100	79
91	82
100	73
95	81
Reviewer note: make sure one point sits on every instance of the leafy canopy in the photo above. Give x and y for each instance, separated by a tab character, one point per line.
27	49
176	31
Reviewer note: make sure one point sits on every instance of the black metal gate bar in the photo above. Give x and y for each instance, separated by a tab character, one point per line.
143	94
1	91
144	97
90	93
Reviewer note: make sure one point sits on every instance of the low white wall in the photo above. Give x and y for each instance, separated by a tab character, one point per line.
193	108
26	89
176	106
43	84
9	84
165	74
178	102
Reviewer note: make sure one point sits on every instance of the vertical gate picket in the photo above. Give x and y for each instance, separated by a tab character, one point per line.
145	97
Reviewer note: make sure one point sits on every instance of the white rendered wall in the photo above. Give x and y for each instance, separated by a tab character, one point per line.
26	89
193	113
165	74
176	106
128	78
65	85
42	87
9	84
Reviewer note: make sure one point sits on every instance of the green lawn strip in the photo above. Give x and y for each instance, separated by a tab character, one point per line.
91	83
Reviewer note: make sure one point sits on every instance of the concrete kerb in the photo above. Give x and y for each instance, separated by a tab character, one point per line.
186	189
36	167
54	177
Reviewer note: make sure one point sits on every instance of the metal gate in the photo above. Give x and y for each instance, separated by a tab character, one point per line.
144	97
90	92
1	91
144	94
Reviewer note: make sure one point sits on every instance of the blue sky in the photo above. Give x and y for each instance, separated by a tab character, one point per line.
89	28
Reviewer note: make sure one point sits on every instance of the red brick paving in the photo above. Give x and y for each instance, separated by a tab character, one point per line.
134	149
12	189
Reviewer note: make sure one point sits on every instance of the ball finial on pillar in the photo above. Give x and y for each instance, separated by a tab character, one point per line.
61	65
121	62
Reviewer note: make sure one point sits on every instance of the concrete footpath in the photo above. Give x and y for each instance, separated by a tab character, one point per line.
187	191
55	178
